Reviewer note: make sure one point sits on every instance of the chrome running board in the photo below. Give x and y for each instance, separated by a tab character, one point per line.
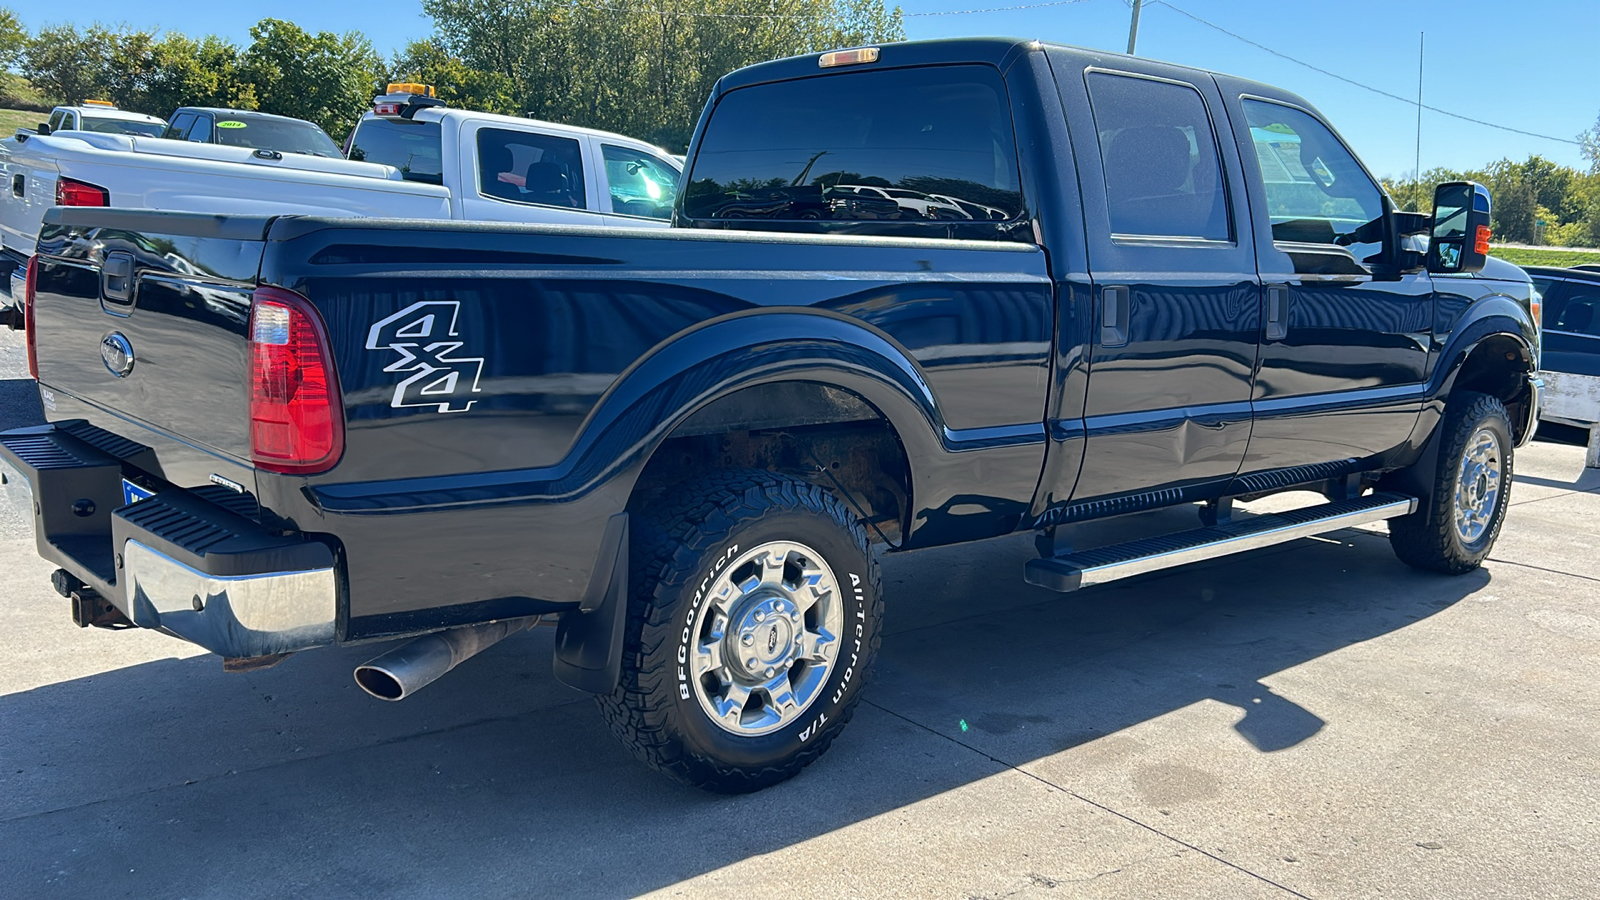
1103	564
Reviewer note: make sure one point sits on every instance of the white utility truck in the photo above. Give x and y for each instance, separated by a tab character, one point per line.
410	158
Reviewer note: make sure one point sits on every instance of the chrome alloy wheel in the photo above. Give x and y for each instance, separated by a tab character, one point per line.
766	638
1478	485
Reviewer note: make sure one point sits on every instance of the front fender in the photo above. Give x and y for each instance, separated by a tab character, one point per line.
1493	315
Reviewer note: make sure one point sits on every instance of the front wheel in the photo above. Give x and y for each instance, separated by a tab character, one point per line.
753	621
1465	504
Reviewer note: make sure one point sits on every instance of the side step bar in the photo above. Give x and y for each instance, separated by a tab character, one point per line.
1103	564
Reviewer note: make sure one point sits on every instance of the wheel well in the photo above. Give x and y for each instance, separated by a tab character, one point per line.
1498	366
827	436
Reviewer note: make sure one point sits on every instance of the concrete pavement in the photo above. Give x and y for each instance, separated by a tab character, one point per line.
1313	720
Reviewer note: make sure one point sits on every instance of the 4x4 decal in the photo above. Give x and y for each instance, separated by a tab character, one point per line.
424	335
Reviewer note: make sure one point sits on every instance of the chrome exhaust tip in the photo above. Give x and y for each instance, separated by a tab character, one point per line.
416	664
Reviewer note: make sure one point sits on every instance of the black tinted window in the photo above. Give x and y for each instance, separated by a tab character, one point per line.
910	144
415	148
530	168
201	132
1163	175
1578	311
179	126
282	135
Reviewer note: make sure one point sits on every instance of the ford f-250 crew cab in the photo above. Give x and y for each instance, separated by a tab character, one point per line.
1172	287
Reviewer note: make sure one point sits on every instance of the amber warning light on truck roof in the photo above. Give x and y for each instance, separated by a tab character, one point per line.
409	87
848	57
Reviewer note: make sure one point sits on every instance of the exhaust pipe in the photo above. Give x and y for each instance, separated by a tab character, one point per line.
416	664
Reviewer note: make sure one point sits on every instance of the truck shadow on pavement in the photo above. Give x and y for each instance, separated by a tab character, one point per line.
170	778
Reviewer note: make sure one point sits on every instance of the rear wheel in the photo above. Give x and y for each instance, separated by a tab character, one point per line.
752	624
1465	504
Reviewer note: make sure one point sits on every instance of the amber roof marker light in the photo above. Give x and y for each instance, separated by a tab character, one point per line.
848	57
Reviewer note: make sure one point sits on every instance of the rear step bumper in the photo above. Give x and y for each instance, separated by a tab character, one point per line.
174	562
1103	564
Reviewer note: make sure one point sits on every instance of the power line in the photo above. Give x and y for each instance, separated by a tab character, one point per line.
905	15
968	12
1365	87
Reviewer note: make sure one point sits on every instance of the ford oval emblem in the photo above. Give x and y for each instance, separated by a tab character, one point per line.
117	353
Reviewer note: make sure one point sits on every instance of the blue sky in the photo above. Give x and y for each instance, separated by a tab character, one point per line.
1528	64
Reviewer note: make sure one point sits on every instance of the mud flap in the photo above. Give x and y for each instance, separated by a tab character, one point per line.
588	654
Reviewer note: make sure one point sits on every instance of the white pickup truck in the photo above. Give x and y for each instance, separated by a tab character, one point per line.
410	157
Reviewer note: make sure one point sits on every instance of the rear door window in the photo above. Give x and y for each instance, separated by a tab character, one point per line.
919	145
415	148
1163	176
524	167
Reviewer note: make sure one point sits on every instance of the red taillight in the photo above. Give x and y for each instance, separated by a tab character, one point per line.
30	330
387	109
1481	243
80	193
296	415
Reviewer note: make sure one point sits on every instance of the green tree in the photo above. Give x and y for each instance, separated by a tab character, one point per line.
324	78
13	39
641	67
454	82
1589	142
63	63
1514	209
189	72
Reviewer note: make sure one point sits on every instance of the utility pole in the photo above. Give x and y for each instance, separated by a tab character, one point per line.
1416	179
1133	26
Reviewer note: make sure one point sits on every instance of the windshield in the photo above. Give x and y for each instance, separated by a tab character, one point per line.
123	126
412	147
283	135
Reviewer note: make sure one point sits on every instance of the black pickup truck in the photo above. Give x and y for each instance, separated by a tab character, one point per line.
1086	285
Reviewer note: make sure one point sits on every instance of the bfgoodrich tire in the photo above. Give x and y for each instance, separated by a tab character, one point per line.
1464	505
752	624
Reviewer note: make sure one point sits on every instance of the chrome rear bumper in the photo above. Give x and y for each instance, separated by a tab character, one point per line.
174	562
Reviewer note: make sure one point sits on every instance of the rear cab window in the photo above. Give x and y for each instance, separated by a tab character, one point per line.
527	167
918	147
415	148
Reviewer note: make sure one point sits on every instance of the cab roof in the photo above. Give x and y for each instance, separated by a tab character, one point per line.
110	112
1000	52
440	113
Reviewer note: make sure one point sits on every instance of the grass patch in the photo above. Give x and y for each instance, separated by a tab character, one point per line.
1524	257
12	119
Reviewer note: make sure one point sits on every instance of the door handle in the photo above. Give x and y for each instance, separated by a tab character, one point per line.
18	184
1277	312
1114	316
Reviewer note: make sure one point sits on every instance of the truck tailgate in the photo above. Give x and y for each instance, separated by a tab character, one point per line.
142	317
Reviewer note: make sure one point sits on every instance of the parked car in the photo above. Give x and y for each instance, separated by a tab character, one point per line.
255	130
1570	364
682	443
505	168
102	117
411	157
